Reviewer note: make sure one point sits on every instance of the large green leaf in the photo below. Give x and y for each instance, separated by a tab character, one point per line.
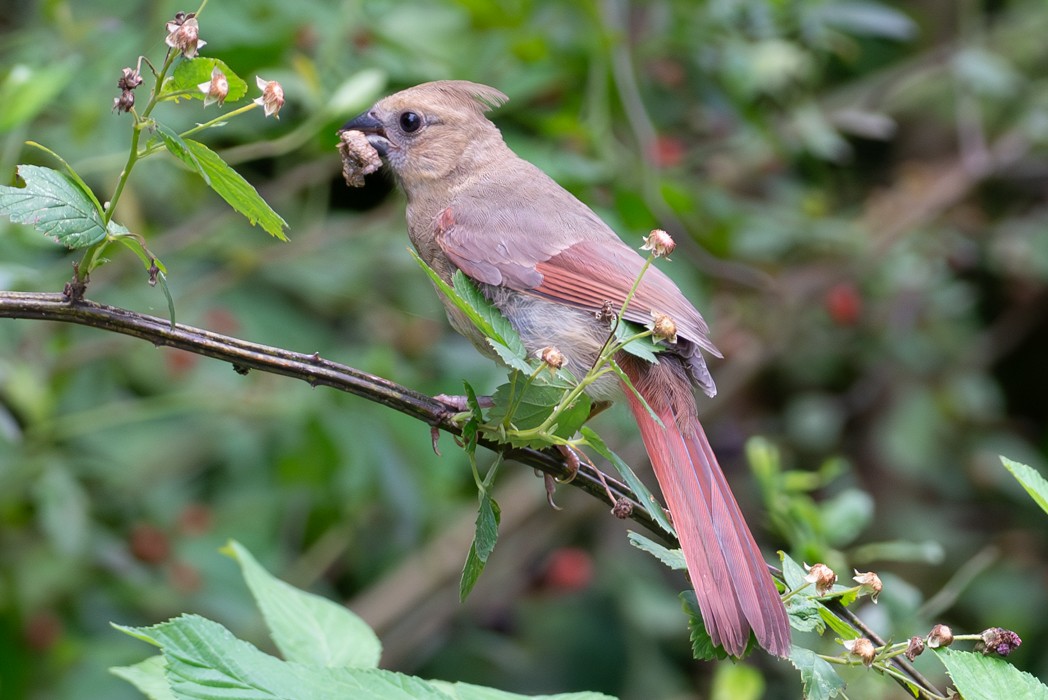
54	205
308	628
189	74
206	662
230	186
982	677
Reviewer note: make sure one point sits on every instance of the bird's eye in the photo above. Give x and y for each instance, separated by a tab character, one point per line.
410	121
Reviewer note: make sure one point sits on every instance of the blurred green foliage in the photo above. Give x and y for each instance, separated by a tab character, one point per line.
858	188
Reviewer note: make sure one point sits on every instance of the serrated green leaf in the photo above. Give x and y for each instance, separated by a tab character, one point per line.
149	676
1031	480
54	205
792	572
982	677
178	148
503	330
835	623
702	646
573	416
673	558
528	405
466	691
647	500
305	627
510	358
818	677
804	611
644	348
485	536
237	191
206	662
189	74
471	429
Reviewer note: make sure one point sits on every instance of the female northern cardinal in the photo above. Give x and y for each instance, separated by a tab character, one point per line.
549	263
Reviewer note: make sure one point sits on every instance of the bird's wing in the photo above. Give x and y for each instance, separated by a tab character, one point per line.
557	248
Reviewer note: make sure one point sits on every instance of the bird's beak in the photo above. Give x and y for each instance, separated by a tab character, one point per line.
371	127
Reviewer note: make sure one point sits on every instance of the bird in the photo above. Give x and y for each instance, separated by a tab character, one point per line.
550	265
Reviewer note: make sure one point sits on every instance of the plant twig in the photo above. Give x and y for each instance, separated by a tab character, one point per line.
309	368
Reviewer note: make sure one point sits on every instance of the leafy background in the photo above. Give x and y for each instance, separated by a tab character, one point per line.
859	189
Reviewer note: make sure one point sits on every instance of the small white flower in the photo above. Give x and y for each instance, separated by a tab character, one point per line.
272	98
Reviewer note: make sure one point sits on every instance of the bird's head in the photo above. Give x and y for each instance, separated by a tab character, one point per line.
428	131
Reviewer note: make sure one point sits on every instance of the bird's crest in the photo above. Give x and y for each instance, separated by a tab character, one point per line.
463	94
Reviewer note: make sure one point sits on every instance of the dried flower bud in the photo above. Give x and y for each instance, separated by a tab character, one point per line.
863	648
940	636
125	102
129	79
663	327
822	576
869	584
359	158
552	357
183	34
622	509
216	89
1000	641
607	313
272	98
915	648
660	243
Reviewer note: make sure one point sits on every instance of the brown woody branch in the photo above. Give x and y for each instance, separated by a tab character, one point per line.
313	369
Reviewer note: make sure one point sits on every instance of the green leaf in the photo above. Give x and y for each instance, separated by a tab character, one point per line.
982	677
178	148
805	612
206	662
471	429
189	74
307	628
841	628
702	646
647	500
501	335
1033	482
673	558
502	329
233	188
54	205
645	348
487	532
792	572
818	677
531	404
466	691
149	676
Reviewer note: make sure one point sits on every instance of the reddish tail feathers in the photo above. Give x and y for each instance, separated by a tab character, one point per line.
731	580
